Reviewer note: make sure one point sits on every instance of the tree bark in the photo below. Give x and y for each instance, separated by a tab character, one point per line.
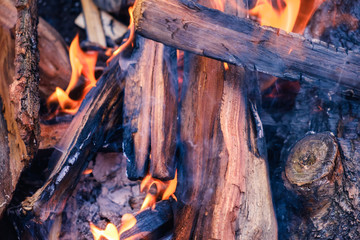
189	26
24	91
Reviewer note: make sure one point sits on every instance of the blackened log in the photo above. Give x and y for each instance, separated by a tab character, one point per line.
150	111
24	91
13	153
189	26
99	112
152	224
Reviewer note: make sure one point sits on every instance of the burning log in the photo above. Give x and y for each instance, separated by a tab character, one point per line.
223	178
24	91
150	112
98	113
192	27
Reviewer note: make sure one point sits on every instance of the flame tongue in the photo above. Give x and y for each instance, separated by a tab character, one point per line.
289	15
81	64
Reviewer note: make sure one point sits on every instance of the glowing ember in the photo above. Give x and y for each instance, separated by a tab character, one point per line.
81	64
87	171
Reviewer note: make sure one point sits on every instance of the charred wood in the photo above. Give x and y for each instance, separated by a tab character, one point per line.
192	27
150	112
99	112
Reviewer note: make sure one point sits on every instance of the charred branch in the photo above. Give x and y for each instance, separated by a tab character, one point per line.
100	111
192	27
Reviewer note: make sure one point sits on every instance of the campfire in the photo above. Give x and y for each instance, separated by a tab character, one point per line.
180	119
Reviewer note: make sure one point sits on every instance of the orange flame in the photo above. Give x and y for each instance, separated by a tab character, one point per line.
283	18
129	41
111	232
81	64
164	190
289	15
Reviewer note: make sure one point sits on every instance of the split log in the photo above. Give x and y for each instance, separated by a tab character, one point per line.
189	26
24	91
150	112
151	224
94	29
12	148
99	112
223	178
51	134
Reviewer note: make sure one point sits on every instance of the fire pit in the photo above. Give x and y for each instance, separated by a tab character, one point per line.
180	119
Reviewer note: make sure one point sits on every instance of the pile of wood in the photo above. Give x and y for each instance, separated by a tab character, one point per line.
210	132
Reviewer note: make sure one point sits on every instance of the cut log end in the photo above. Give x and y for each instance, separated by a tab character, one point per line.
313	168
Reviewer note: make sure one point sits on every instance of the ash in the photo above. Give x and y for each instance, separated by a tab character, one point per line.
100	197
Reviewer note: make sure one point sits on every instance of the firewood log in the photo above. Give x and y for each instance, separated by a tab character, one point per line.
13	152
223	178
150	112
192	27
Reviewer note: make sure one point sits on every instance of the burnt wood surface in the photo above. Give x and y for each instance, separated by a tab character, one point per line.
151	223
24	91
187	25
100	111
150	111
315	207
